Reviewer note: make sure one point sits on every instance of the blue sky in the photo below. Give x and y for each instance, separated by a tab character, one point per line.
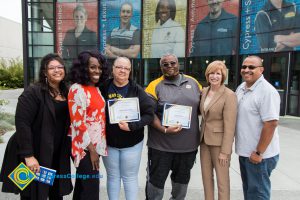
11	9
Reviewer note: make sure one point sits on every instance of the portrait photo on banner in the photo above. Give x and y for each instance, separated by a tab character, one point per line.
164	25
270	26
76	28
120	22
212	27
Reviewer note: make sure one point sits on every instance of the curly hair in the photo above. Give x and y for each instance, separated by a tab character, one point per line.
172	7
79	70
43	78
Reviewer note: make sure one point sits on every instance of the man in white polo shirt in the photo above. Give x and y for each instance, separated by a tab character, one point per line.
256	140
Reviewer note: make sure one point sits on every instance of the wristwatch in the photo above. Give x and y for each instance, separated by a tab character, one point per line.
258	153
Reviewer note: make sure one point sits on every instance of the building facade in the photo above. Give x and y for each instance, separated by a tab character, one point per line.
197	32
10	39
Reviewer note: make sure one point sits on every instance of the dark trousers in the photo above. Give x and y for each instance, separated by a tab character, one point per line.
160	163
53	194
87	180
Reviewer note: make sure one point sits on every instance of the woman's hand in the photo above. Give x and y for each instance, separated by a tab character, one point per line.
223	159
95	160
94	156
32	164
124	126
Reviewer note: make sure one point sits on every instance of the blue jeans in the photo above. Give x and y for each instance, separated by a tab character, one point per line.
123	164
256	177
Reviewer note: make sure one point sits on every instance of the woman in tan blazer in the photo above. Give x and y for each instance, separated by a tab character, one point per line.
218	108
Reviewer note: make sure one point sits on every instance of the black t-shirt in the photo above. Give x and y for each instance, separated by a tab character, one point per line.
115	92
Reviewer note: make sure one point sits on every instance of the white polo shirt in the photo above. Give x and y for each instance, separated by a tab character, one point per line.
257	104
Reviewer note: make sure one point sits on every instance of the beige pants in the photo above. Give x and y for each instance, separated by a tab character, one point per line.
209	161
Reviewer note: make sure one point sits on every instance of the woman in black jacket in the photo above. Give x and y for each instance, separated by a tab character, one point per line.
125	139
42	122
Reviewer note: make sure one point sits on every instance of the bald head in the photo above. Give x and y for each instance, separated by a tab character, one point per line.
255	59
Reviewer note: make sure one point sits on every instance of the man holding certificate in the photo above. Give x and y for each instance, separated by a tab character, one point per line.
173	137
128	111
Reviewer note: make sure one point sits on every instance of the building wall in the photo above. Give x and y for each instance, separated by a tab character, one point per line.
10	39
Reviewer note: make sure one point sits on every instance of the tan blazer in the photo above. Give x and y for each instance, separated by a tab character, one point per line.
219	118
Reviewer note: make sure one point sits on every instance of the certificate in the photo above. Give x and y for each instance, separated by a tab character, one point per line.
177	115
123	109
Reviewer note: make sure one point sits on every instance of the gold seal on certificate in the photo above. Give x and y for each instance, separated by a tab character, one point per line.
123	109
177	115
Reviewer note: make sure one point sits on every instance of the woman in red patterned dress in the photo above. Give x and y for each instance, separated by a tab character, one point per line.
87	113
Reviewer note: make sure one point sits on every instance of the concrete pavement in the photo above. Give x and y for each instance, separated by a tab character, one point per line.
285	178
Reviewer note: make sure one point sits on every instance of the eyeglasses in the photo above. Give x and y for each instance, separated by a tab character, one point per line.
251	67
122	67
58	67
166	64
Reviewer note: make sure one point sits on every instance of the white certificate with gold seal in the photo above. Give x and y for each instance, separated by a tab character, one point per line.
123	109
177	115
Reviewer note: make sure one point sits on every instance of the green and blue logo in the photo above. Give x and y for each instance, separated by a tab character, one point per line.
22	176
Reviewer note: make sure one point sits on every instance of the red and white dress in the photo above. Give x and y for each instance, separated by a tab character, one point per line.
87	115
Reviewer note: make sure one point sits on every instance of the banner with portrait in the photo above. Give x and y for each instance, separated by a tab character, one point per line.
76	28
164	27
120	25
265	28
212	27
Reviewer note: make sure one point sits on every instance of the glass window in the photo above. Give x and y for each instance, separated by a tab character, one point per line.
40	39
196	68
152	69
40	32
40	51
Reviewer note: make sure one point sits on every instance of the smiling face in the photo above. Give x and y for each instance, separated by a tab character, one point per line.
169	66
55	72
250	76
126	14
215	78
164	11
121	71
80	18
94	70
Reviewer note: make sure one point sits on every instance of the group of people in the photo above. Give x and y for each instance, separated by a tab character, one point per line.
55	122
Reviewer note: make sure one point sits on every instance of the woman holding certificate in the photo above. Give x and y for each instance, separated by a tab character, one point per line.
125	137
218	108
41	140
87	113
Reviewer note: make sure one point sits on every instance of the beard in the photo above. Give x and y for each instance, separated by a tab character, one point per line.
171	77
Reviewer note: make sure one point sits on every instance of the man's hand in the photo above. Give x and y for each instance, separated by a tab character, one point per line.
254	158
279	47
173	129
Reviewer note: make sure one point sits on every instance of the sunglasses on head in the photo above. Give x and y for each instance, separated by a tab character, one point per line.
167	64
251	67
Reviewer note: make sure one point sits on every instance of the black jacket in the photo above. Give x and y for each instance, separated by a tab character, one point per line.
122	139
35	128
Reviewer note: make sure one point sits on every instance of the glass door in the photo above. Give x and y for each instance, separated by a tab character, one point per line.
294	87
276	72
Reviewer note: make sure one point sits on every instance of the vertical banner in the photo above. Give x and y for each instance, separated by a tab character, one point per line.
120	22
269	26
76	28
164	25
212	27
